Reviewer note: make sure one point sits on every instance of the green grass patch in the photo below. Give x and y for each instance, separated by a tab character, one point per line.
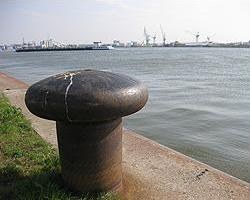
29	166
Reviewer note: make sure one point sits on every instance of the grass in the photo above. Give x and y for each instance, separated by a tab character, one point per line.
29	166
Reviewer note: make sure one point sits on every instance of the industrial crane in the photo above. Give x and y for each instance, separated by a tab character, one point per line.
163	36
197	35
154	38
209	38
147	36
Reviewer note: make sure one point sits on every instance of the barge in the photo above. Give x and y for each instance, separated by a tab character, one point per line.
64	49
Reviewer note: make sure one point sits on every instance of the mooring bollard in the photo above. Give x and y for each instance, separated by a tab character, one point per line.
88	107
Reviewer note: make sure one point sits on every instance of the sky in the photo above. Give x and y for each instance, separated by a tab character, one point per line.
85	21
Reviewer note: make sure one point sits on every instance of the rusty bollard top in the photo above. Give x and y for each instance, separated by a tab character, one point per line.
85	96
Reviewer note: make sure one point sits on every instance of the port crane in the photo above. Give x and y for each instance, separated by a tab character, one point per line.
197	35
163	36
147	36
154	38
209	38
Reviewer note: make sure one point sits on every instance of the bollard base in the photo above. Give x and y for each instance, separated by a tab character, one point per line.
91	155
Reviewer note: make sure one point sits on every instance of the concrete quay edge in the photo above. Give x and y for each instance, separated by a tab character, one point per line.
150	170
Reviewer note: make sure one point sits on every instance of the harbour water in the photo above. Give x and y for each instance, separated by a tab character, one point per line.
199	100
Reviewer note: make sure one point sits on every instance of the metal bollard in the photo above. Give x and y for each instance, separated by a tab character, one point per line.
88	107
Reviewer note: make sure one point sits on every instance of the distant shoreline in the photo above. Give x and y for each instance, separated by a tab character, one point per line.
97	49
90	48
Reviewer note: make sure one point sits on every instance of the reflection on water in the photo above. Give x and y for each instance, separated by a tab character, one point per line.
199	100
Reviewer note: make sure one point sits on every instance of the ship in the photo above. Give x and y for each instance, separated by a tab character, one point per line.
32	49
198	44
52	45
